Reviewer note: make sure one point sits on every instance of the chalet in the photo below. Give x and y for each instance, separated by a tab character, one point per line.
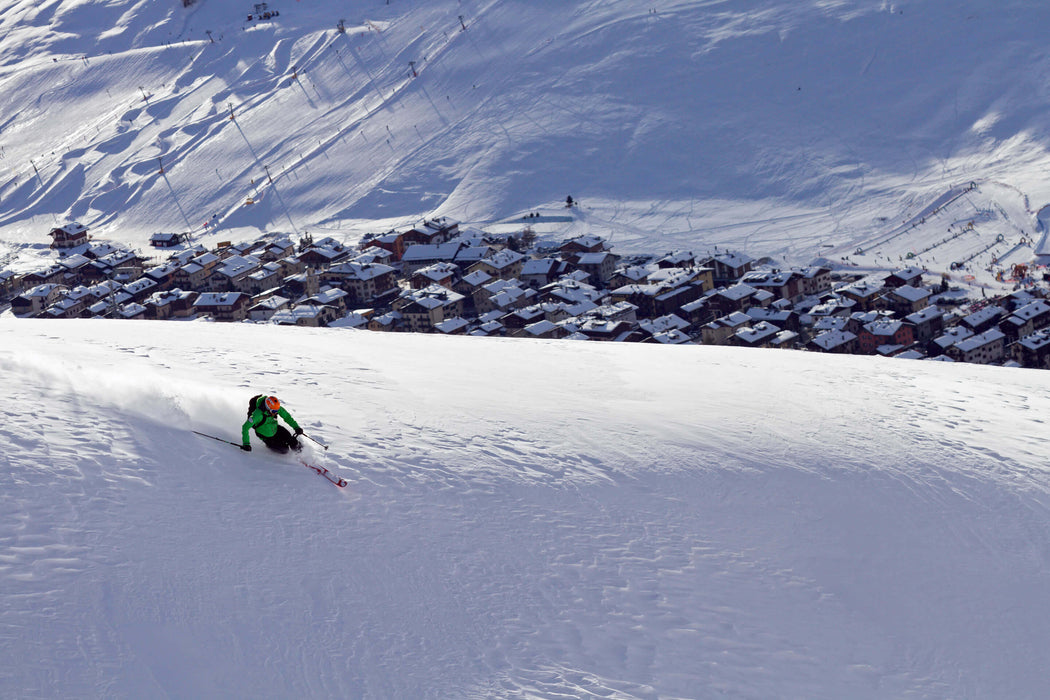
452	326
1033	350
506	264
322	257
983	348
468	255
131	311
366	283
223	306
264	309
309	315
670	337
1026	320
472	284
719	331
140	288
375	255
168	240
581	244
9	282
391	321
944	342
782	284
74	265
432	232
233	275
487	328
663	324
503	296
697	312
516	321
738	298
393	243
758	335
841	342
72	235
928	323
909	276
543	329
728	267
291	265
630	274
865	294
355	319
33	301
600	267
604	329
579	297
905	299
72	304
163	275
784	319
666	291
173	303
335	298
422	309
304	284
815	280
884	332
54	274
982	319
443	274
267	276
417	257
678	258
276	249
785	340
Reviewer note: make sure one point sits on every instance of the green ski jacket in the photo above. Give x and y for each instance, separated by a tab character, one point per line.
263	423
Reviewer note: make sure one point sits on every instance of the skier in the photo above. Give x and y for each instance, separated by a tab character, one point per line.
263	411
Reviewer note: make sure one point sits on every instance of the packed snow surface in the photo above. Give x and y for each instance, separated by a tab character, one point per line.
524	519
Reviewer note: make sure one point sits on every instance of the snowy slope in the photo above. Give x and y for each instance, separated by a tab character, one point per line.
524	520
785	128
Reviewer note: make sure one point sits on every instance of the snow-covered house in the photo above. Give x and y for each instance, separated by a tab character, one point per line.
35	300
842	342
264	309
884	332
223	306
72	235
984	348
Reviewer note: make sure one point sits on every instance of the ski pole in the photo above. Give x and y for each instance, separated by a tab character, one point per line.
315	440
235	444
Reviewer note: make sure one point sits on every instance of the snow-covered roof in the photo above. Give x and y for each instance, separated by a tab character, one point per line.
833	339
991	335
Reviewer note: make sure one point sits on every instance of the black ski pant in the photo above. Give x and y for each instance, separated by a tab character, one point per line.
281	441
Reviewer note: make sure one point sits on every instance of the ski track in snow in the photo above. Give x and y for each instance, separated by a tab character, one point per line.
523	520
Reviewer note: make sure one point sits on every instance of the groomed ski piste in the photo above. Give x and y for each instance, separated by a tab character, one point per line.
523	520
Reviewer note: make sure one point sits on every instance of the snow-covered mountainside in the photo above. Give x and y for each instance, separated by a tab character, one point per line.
784	128
524	520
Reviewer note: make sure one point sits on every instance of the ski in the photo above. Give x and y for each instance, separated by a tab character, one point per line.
337	480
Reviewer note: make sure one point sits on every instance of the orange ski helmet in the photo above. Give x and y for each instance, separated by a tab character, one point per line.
272	404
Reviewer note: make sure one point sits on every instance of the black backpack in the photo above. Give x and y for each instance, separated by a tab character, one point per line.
252	403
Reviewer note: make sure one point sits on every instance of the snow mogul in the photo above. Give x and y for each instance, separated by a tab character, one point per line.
263	412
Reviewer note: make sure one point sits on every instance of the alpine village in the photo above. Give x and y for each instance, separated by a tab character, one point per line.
437	277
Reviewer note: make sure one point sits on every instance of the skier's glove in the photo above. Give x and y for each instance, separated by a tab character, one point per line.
298	432
246	448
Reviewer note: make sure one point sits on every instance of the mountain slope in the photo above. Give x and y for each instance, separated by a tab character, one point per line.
563	519
793	129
